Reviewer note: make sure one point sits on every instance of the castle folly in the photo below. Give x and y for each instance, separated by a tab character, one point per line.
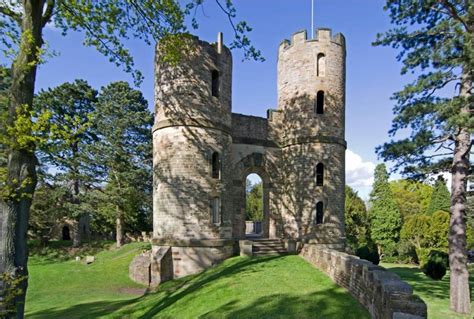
202	154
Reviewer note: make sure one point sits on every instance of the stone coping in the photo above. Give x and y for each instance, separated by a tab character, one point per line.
193	242
197	122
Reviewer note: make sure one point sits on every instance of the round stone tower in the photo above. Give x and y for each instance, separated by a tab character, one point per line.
310	129
192	159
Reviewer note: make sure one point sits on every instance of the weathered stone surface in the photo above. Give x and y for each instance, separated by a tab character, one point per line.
139	269
381	292
90	259
194	120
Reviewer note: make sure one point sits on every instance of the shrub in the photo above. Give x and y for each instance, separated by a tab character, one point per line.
422	256
439	256
435	269
369	253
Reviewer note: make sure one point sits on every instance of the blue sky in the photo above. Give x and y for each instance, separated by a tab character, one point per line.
373	73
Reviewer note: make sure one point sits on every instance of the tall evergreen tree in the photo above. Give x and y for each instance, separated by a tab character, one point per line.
436	40
124	152
67	149
440	199
384	215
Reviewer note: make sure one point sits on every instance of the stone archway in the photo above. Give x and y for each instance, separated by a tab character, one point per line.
255	163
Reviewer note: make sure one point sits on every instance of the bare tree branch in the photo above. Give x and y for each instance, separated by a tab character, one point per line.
454	13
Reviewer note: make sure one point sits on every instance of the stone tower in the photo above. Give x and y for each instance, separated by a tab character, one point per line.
191	160
203	153
309	126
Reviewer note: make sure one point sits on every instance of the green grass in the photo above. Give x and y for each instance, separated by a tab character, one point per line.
434	293
265	287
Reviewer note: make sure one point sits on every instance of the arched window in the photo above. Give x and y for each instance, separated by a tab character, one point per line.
215	165
216	210
319	213
321	65
319	107
320	174
215	83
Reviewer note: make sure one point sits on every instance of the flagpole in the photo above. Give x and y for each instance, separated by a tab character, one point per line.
312	19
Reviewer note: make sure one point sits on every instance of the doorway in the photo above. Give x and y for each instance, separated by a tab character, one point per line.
254	206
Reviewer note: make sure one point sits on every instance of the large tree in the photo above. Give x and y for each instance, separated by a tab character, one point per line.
124	151
67	149
384	215
106	25
412	197
435	39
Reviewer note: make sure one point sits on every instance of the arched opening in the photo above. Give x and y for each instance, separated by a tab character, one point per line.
66	233
321	65
215	83
319	213
215	165
319	174
253	206
319	107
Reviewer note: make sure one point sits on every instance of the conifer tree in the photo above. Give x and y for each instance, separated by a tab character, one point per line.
440	199
384	215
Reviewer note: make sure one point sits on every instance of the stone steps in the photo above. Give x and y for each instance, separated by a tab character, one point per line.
262	247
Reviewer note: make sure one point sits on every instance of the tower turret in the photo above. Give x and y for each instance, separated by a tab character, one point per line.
191	160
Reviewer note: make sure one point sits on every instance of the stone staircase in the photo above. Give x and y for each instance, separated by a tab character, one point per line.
263	247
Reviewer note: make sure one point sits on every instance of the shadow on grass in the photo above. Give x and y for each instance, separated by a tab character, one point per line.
426	286
168	294
328	303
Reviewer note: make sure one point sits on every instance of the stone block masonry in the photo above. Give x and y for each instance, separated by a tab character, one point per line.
381	292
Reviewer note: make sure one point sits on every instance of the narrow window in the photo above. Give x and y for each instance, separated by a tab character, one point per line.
319	213
321	65
215	83
319	107
216	210
320	174
216	165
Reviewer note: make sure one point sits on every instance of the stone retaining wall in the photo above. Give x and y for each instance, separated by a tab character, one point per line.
381	292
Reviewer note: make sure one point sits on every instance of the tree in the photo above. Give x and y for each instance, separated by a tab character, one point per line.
435	39
254	202
67	149
412	197
105	25
124	151
357	220
384	215
440	199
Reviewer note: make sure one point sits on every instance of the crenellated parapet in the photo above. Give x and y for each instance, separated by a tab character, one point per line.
322	35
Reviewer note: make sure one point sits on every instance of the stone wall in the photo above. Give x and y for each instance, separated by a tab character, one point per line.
381	292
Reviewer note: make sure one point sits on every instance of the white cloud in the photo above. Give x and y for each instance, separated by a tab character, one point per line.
359	174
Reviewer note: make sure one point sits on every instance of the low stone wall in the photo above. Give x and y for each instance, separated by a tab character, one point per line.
381	292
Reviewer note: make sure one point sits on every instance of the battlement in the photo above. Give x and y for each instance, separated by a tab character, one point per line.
322	35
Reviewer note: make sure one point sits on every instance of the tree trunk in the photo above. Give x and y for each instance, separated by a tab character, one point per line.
459	286
21	178
77	238
119	229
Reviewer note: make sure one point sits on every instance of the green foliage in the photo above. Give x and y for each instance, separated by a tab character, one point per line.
369	252
412	197
254	203
441	198
124	151
435	41
357	220
384	214
436	265
10	291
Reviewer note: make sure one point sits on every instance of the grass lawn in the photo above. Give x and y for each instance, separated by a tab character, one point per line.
264	287
434	293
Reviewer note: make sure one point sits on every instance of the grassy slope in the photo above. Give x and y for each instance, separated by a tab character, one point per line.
266	287
434	293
